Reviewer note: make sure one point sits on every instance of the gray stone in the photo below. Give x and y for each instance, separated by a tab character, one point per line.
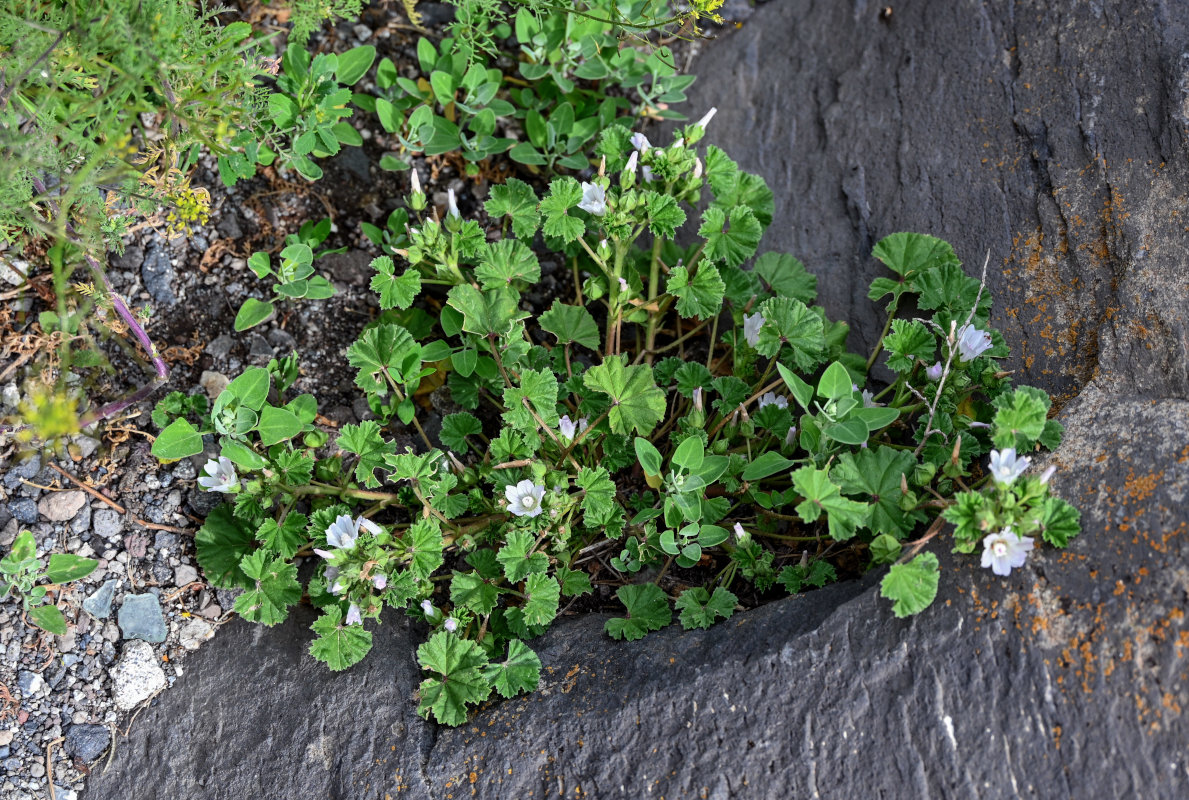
158	275
194	633
220	347
23	510
184	575
107	523
213	383
25	469
30	683
140	618
87	742
62	506
258	347
81	522
98	605
137	676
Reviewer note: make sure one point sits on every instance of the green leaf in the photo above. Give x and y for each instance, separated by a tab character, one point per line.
485	313
690	454
650	458
598	501
648	610
274	588
851	431
516	559
885	549
875	474
252	313
733	238
767	464
802	391
339	646
354	64
458	664
250	389
795	577
790	322
277	425
908	254
49	619
787	277
1020	418
66	567
515	199
519	672
823	496
664	215
564	194
287	537
506	261
537	389
179	440
574	583
949	288
835	383
1059	521
220	544
699	608
636	402
395	292
571	324
380	349
425	547
24	547
240	454
365	441
473	591
544	595
911	586
908	342
701	297
455	427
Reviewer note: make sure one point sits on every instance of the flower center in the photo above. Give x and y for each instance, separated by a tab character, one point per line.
999	548
529	502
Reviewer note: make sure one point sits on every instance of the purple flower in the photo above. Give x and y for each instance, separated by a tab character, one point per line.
751	327
972	342
524	499
222	476
353	615
1004	551
1006	466
935	372
594	199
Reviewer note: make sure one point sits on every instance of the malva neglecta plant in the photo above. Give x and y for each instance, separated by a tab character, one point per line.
688	410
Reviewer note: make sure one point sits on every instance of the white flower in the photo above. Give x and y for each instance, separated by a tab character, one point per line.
451	204
935	372
646	173
773	399
698	398
869	399
594	199
451	624
705	120
640	142
631	165
1004	551
972	342
1006	466
751	327
524	499
353	615
1048	473
623	285
337	587
416	182
741	536
380	582
428	609
790	438
341	533
222	476
697	168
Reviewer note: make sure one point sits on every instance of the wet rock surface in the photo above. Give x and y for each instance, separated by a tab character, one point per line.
1053	135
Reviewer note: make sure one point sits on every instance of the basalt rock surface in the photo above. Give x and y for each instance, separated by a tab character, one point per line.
1052	135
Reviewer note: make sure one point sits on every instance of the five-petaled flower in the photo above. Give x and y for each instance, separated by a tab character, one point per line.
972	342
751	327
773	399
594	199
1006	466
222	476
342	533
569	428
1004	551
524	499
380	581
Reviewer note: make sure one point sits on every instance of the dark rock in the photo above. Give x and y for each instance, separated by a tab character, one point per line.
98	605
258	347
130	260
140	617
164	540
220	347
158	275
87	742
107	523
351	165
228	224
203	502
23	510
25	469
352	267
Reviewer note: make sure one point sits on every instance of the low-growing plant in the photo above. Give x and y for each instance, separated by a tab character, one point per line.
20	573
294	275
684	415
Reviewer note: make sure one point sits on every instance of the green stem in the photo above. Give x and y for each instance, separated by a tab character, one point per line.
654	281
886	326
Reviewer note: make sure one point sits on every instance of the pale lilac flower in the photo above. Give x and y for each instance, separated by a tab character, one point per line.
935	372
977	424
790	438
623	285
222	476
568	427
646	173
428	609
698	398
640	142
451	624
341	533
705	120
742	537
1006	466
451	204
380	582
751	327
972	342
1048	473
773	399
697	168
337	587
1004	551
353	615
594	199
416	179
524	499
631	165
869	399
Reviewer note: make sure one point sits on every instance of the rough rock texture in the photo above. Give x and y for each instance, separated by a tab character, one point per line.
1051	134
